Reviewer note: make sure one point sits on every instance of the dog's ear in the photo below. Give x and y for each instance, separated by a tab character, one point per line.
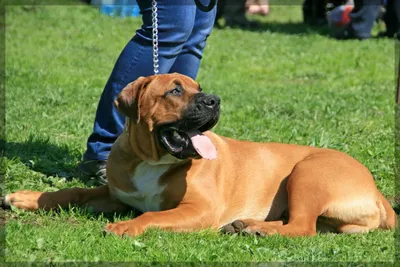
128	100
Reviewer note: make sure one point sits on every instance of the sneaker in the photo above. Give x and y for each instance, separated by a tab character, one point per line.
94	168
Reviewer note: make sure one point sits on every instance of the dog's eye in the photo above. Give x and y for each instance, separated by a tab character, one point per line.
176	91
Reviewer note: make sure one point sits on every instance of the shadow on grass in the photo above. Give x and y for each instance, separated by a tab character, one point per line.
7	213
291	28
43	156
51	159
131	213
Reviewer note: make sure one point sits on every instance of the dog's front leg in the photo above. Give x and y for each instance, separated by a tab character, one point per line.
186	217
32	200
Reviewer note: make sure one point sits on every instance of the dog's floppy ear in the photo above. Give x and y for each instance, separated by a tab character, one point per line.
127	101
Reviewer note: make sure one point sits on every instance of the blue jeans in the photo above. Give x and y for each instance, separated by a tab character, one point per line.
182	33
363	16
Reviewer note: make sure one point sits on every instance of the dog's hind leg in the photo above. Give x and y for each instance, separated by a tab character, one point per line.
302	221
388	215
303	208
362	216
32	200
251	226
335	187
300	226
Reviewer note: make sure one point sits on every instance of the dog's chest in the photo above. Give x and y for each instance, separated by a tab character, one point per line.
146	180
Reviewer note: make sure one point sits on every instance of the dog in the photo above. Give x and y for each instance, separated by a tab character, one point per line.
183	177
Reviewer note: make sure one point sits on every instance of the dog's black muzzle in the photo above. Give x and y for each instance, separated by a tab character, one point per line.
201	115
203	112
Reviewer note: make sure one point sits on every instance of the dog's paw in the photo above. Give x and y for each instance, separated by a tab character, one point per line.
247	227
235	227
128	228
25	199
258	231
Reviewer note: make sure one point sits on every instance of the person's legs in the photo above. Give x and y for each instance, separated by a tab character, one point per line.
362	17
234	12
396	7
314	12
391	19
188	61
176	20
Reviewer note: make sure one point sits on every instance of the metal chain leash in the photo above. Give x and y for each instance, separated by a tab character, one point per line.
155	27
155	36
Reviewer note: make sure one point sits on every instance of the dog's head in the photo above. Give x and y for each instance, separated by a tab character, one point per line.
169	112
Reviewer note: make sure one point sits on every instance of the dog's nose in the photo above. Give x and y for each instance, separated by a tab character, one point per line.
212	101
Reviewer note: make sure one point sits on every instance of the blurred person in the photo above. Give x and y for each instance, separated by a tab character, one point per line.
339	16
234	13
182	33
314	12
363	17
257	7
391	19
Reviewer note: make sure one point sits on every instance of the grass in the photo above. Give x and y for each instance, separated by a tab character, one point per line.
286	83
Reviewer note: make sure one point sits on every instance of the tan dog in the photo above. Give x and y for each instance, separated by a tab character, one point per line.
185	178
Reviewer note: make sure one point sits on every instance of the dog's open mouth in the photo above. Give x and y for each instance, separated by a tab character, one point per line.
189	143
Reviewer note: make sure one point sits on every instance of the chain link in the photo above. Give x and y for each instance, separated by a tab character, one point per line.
155	36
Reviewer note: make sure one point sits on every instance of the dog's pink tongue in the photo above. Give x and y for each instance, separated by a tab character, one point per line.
203	145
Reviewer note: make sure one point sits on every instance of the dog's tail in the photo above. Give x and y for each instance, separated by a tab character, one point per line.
388	215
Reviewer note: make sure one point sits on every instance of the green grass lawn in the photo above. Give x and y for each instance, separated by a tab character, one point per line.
286	83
